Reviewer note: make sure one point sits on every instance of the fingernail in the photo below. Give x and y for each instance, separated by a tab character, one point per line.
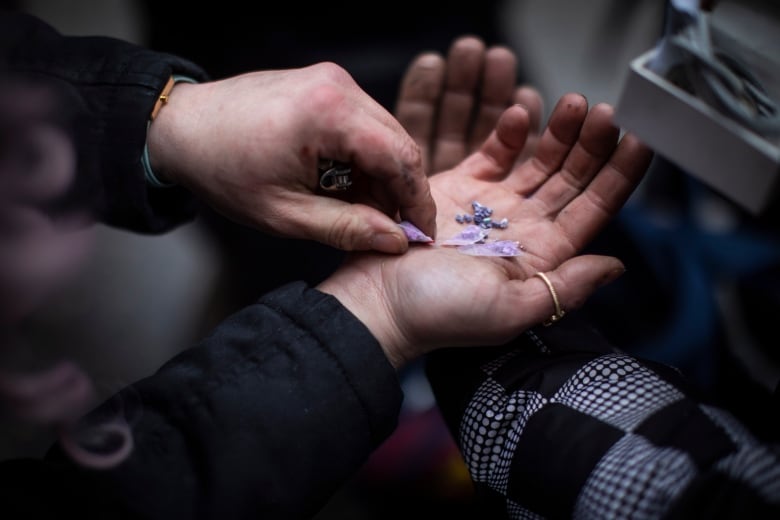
613	275
388	243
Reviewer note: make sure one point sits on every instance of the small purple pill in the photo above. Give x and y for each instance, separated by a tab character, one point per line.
470	235
413	233
496	248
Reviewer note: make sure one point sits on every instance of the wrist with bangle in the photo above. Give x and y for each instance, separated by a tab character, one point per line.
152	178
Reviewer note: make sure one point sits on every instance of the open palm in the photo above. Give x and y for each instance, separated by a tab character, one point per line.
555	201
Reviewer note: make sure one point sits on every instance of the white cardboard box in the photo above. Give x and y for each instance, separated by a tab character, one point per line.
741	164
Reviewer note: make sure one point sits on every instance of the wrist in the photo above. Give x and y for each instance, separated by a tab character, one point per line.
160	134
363	300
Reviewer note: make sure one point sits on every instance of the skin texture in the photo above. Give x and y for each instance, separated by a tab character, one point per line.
556	200
249	146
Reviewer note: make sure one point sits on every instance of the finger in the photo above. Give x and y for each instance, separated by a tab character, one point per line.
339	224
532	100
574	281
597	140
385	152
497	90
373	141
607	192
465	61
504	145
554	145
416	108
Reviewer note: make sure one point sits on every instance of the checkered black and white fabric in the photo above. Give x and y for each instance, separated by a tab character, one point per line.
561	425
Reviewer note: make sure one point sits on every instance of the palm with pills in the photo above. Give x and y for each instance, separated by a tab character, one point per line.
578	177
557	200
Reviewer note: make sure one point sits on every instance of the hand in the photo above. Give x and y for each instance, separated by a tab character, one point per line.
449	107
556	201
250	146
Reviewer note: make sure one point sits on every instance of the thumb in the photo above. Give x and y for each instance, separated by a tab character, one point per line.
573	282
350	227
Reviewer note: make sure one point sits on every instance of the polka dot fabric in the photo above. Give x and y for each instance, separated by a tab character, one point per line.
491	428
560	424
622	485
617	390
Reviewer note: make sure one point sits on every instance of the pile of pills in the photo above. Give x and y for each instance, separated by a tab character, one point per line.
473	240
482	217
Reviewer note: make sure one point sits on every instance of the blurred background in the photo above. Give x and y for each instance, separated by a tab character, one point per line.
700	292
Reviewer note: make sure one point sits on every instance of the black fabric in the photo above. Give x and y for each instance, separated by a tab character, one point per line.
684	426
265	418
42	489
528	371
551	444
110	87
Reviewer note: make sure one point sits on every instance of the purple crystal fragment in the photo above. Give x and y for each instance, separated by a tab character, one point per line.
413	233
470	235
496	248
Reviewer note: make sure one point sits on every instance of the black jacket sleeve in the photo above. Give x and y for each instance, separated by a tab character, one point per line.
107	87
559	424
265	418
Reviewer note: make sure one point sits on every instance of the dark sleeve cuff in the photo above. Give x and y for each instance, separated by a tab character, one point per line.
106	88
351	346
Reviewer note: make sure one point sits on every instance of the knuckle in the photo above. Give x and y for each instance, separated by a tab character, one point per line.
329	86
334	73
325	97
411	159
344	233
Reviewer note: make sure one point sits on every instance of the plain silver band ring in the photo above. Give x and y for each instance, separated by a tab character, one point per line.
559	313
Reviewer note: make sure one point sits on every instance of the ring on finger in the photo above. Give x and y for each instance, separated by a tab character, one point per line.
559	312
334	175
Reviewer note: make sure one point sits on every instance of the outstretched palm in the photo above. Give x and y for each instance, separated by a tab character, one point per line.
559	198
555	202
